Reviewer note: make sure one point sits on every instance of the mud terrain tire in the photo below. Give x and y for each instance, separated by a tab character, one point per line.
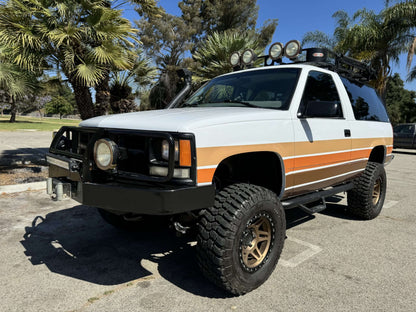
241	237
366	199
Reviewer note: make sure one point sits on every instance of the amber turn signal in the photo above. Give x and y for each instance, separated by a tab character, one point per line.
185	157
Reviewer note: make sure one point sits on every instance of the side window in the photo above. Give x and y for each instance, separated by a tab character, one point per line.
365	102
320	97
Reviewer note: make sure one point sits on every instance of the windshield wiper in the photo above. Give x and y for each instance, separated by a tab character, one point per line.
237	102
223	101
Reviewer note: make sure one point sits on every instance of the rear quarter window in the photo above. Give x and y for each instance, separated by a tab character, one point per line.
365	102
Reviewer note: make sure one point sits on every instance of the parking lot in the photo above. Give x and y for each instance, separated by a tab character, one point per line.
60	256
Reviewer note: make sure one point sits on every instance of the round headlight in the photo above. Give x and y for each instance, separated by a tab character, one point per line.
248	57
105	154
276	51
235	59
292	49
165	150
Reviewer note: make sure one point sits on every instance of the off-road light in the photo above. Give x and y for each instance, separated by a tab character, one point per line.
165	150
105	154
248	57
235	59
292	49
276	51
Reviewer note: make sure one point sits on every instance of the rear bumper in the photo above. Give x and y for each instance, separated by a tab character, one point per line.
136	199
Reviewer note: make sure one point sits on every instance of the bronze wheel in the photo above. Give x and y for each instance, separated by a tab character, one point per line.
377	191
256	241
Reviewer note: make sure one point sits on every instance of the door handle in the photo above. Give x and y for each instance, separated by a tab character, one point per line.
347	133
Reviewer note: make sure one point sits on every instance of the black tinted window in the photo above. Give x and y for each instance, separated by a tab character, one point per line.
271	88
365	102
320	87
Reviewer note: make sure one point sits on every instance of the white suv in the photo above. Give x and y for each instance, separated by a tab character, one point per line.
232	157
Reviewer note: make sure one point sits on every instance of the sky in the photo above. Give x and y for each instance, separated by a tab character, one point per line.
295	18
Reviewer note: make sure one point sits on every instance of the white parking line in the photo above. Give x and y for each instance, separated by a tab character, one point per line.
389	203
301	257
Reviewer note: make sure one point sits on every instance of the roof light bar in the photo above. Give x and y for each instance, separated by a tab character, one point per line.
235	59
276	51
292	49
248	57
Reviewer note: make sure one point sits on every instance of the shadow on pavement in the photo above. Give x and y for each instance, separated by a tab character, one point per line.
77	243
22	156
405	152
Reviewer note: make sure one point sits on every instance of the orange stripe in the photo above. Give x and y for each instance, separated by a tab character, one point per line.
364	143
205	175
360	154
321	160
320	147
212	156
289	164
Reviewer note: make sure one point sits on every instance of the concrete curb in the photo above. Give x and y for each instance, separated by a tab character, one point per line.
34	186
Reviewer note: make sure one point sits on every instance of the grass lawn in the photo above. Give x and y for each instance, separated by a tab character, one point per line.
33	123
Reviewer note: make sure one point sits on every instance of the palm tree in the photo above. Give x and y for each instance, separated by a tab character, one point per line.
213	55
126	85
402	17
84	39
320	39
15	82
377	39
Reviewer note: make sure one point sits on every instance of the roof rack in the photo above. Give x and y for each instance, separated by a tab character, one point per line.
344	65
321	57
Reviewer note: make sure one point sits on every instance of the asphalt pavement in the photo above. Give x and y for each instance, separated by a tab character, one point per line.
61	256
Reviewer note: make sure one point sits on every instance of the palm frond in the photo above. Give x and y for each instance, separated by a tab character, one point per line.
89	74
412	75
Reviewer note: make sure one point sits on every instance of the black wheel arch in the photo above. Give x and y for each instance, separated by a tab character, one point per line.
378	154
264	169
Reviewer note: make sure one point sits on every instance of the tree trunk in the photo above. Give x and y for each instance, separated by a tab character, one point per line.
13	109
84	101
102	96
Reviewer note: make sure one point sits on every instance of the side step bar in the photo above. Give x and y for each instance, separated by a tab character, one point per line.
314	207
319	196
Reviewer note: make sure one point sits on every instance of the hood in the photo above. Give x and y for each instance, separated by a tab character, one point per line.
183	119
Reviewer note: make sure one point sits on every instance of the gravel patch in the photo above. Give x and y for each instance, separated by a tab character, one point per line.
19	174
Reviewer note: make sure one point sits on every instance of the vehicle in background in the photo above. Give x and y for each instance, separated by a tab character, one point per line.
404	136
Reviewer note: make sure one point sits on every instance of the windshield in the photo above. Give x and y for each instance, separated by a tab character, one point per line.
271	88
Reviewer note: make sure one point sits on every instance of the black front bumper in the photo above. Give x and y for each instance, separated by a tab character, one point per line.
146	200
139	199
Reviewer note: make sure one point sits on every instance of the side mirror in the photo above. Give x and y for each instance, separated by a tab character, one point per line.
321	109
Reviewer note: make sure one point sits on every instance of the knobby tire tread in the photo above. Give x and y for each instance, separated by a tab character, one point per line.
215	232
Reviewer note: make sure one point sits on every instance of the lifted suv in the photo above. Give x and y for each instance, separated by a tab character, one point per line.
233	156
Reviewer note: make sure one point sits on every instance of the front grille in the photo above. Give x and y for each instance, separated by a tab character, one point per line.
133	153
132	164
